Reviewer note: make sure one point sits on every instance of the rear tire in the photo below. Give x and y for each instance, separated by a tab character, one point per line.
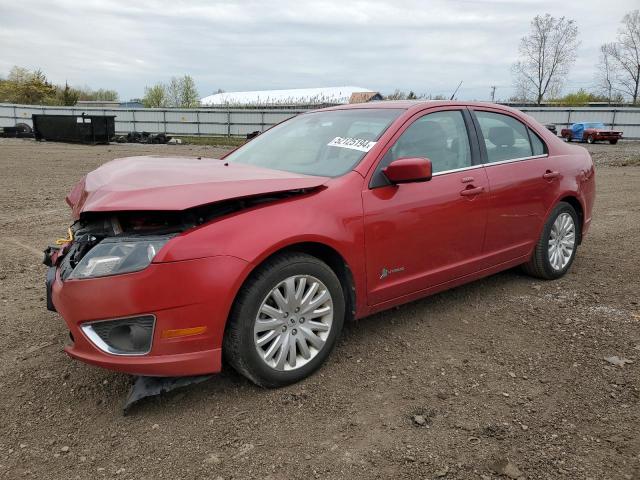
258	321
557	246
590	139
567	138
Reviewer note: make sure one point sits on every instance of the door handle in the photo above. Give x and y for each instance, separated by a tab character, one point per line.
549	175
469	192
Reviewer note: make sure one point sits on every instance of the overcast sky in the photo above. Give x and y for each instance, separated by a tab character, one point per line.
425	46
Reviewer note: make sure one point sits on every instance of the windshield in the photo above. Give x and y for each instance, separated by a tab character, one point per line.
328	143
594	125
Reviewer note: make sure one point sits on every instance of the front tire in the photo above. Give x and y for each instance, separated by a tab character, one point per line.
556	248
590	139
285	321
613	142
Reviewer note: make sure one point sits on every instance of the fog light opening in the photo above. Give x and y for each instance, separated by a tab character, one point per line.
126	336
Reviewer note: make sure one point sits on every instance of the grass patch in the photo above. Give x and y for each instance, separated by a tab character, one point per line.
216	141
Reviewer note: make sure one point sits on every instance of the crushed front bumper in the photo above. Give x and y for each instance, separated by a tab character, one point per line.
181	295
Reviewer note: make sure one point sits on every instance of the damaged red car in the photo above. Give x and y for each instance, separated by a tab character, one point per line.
590	132
261	256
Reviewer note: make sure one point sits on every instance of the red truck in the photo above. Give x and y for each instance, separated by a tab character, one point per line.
590	132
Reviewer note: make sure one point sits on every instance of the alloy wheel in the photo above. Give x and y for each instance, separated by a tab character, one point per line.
562	241
293	322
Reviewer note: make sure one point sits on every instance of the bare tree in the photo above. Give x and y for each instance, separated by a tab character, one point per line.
397	95
174	89
182	92
546	54
606	72
625	56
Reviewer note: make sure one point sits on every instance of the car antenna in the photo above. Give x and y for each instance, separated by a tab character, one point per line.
456	90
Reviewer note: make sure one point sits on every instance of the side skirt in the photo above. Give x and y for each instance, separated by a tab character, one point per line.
447	285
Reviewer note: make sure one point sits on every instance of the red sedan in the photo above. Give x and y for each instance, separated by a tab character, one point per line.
327	217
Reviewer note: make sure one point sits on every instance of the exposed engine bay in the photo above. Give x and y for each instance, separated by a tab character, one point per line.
95	227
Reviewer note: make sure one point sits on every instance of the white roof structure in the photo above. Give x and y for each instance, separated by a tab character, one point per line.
284	97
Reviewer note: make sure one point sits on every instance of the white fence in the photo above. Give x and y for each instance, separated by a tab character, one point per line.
205	122
240	121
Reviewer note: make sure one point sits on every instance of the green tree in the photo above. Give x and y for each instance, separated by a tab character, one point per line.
27	87
155	96
86	93
32	87
105	95
180	92
189	96
581	97
68	96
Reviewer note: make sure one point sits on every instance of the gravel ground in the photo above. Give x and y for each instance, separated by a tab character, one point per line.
505	376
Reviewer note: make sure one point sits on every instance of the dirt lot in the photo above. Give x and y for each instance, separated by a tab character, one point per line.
507	368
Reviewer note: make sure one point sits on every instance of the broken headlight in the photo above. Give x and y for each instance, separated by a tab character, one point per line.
113	256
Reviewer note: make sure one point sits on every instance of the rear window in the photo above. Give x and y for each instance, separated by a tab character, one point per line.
505	137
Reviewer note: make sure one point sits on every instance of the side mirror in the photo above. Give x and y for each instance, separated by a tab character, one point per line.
407	170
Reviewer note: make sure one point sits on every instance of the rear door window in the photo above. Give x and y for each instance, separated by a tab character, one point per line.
505	137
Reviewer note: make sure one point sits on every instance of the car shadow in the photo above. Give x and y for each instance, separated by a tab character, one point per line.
229	382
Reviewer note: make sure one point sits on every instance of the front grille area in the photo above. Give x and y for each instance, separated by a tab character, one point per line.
125	336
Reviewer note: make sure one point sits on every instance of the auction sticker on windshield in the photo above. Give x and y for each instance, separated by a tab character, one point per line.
352	143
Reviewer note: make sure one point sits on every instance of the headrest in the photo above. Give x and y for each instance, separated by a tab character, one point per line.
430	134
501	136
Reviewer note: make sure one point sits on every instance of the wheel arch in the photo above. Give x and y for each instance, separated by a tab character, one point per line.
329	255
578	207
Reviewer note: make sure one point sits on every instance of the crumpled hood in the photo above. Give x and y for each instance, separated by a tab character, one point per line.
177	183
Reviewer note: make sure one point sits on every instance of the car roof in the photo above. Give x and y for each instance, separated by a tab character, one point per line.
417	105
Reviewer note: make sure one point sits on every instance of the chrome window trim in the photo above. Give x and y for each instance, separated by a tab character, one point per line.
519	159
93	337
462	169
473	167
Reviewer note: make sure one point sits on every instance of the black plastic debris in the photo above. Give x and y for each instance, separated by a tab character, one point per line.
145	387
89	129
21	130
143	137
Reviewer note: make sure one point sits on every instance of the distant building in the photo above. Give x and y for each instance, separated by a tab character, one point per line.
97	103
109	104
132	104
293	97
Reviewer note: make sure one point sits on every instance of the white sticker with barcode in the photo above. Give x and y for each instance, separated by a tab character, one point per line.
352	143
